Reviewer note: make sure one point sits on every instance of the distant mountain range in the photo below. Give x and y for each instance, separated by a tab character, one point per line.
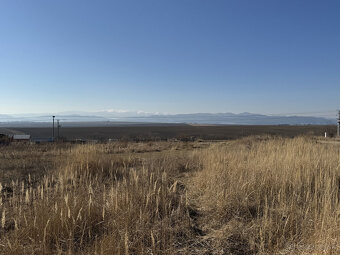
123	117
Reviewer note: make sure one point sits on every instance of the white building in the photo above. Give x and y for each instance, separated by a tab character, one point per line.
21	137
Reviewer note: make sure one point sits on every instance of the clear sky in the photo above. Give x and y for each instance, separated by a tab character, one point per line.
175	56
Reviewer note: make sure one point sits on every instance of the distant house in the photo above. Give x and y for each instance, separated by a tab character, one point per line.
21	138
13	135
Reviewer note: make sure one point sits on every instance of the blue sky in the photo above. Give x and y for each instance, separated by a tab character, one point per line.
175	56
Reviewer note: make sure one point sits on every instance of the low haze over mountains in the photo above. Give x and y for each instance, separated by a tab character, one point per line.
119	117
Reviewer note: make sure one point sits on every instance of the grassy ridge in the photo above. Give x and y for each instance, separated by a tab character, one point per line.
271	195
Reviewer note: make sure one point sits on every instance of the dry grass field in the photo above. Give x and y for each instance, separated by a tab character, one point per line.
255	195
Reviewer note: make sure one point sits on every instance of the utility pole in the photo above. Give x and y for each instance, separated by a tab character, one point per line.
338	133
58	127
53	129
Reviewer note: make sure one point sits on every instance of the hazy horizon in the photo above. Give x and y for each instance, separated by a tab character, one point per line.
326	114
110	118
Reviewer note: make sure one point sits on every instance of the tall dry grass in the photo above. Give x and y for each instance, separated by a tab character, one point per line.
248	196
270	196
98	203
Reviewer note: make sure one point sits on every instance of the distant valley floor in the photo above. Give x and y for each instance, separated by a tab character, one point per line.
164	132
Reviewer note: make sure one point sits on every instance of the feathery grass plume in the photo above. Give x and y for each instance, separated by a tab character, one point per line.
3	218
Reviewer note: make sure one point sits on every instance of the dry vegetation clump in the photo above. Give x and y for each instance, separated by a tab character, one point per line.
270	196
99	203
